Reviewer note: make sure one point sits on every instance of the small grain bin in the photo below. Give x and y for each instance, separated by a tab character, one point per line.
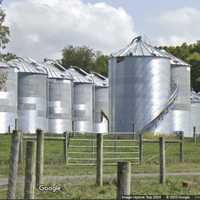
59	98
140	90
195	111
181	111
32	96
8	97
101	103
83	100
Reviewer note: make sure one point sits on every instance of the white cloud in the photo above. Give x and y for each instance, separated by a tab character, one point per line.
178	26
41	28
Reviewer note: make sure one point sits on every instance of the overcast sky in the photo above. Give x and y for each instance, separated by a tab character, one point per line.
42	28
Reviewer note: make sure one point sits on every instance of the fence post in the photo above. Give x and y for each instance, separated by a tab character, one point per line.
29	187
181	146
162	160
14	156
123	179
21	151
194	135
65	148
39	157
140	148
99	161
16	124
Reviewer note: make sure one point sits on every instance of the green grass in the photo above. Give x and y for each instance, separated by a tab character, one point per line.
55	166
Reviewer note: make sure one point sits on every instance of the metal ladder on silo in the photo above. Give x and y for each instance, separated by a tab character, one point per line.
154	122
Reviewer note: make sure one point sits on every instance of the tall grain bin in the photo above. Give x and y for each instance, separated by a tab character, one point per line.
181	114
195	111
100	103
32	98
83	100
140	91
59	110
8	97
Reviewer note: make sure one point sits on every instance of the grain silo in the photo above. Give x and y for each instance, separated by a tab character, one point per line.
195	111
83	100
181	111
8	97
32	98
100	103
59	103
140	91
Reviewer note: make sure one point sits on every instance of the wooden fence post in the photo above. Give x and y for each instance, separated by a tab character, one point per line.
194	135
99	161
29	187
162	160
21	150
65	147
123	179
140	148
181	146
14	156
39	158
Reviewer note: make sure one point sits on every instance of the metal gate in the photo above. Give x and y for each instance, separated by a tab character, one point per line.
82	149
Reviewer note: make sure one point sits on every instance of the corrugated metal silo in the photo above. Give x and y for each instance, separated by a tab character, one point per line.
101	103
181	114
140	91
195	111
8	97
32	96
59	98
83	100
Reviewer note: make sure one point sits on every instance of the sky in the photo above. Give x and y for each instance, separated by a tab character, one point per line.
42	28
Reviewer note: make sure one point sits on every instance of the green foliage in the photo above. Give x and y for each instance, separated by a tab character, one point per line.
191	54
85	58
4	30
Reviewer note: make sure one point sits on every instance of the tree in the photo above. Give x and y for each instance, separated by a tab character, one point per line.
78	56
4	30
85	58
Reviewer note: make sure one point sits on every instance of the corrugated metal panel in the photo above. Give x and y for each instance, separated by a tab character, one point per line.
8	97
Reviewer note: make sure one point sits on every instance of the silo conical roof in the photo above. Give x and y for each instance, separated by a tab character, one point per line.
173	59
79	75
99	80
24	65
138	47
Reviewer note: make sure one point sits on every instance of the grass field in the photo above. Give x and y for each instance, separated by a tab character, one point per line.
55	166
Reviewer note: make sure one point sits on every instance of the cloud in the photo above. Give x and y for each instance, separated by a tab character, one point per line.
178	26
42	28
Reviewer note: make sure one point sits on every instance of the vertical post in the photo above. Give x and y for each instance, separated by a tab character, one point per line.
16	125
14	156
9	131
29	186
21	151
99	161
162	160
140	148
123	179
65	147
39	157
181	146
194	135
